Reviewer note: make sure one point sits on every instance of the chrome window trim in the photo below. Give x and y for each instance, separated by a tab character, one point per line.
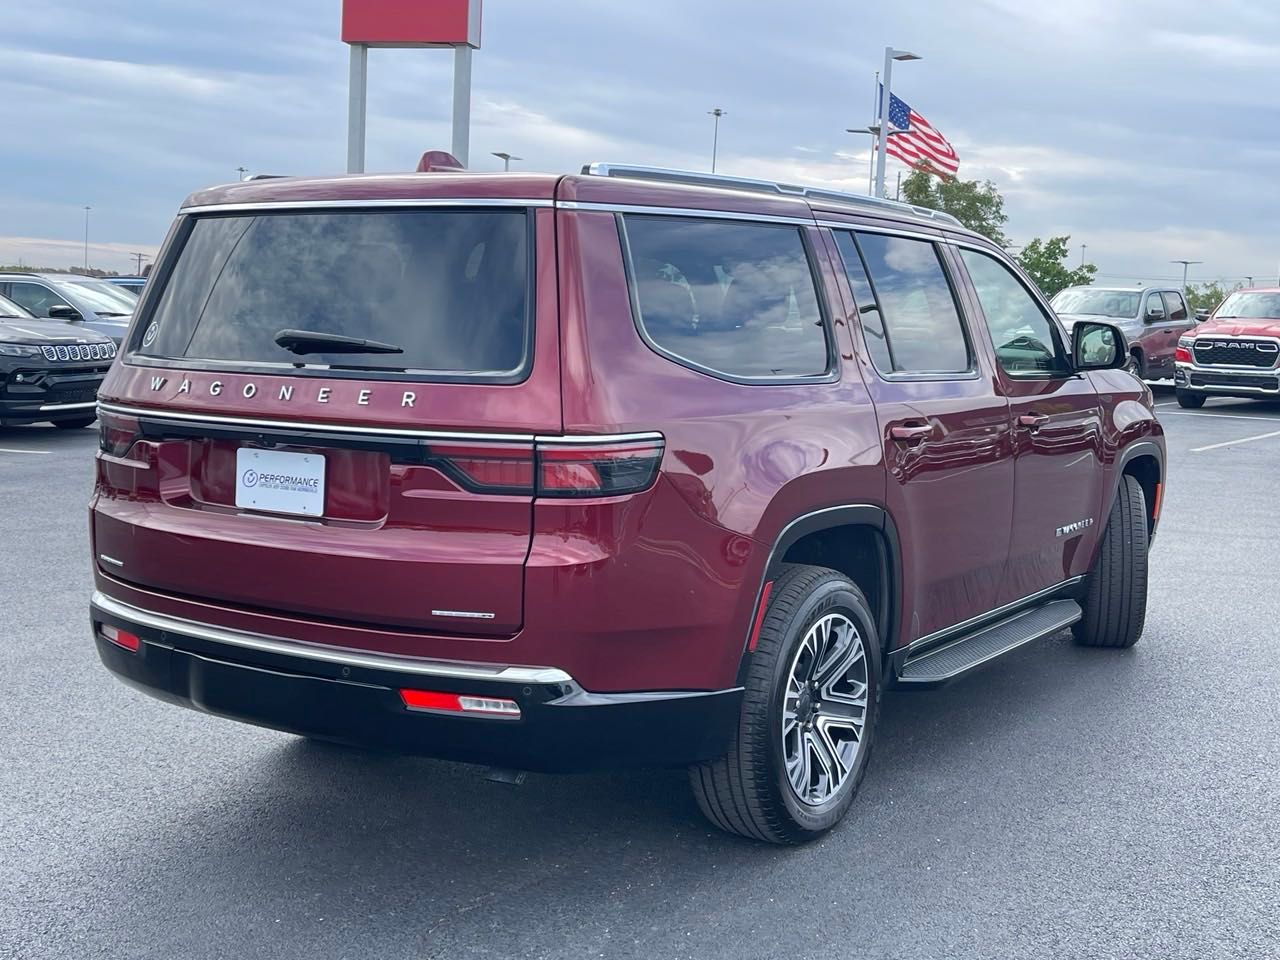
344	656
877	228
645	210
306	425
268	205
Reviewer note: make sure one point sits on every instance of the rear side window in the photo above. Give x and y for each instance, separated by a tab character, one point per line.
917	306
730	298
865	298
448	287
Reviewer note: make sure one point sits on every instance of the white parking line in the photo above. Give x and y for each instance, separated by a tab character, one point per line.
1232	443
13	450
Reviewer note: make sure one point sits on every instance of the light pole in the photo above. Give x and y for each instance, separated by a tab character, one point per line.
506	159
138	257
1083	247
715	135
240	172
1250	280
890	55
1185	264
874	130
86	236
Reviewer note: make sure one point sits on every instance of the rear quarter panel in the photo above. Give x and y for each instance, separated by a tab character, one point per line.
741	462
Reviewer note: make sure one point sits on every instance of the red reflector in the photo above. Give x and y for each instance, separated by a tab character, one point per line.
760	612
1181	355
1155	509
464	703
121	638
428	700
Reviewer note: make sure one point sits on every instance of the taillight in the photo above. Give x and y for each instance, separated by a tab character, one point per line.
485	468
552	468
586	470
117	433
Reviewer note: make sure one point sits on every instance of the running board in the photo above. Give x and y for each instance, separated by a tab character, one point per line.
940	664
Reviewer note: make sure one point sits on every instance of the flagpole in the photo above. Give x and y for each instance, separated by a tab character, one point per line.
871	165
890	55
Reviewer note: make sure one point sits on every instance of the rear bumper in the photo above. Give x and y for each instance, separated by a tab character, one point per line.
354	697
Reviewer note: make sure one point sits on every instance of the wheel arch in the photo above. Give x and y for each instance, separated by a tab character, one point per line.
1144	461
858	540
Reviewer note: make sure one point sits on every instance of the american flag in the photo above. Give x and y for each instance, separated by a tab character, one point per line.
913	141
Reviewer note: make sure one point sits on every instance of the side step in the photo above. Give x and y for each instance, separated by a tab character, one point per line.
940	664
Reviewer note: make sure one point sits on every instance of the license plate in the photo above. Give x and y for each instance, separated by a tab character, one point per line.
280	482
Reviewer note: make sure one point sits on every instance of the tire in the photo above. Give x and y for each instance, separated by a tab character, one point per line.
76	424
750	791
1189	401
1115	603
1136	366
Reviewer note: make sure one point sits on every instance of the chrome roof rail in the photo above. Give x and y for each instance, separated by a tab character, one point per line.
723	182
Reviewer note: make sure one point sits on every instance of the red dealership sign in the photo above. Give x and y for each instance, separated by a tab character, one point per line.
411	23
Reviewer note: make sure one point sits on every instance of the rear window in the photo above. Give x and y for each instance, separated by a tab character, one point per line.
447	287
730	298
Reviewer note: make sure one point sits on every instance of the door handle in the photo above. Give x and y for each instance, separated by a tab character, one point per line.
911	432
1032	421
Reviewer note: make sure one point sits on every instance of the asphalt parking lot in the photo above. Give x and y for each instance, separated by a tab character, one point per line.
1061	803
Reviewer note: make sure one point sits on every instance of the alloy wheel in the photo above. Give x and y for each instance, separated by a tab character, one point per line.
824	709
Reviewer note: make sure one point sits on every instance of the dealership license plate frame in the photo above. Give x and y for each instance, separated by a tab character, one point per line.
280	482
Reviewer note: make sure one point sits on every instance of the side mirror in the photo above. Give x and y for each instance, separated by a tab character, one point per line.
1155	315
1098	346
1202	315
61	311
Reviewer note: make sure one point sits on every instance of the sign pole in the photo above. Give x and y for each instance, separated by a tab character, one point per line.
462	103
357	89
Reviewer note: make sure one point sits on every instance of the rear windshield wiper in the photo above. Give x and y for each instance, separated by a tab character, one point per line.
303	342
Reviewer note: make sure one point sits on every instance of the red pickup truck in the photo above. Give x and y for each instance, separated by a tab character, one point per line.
1234	353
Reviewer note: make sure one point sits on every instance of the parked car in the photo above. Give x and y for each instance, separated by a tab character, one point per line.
88	302
1151	319
49	372
132	285
631	467
1234	353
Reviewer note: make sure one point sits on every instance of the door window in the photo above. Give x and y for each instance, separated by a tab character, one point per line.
905	283
728	298
1175	306
35	297
1155	312
1025	338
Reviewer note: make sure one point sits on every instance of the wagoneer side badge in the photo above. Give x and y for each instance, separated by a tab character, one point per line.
1075	527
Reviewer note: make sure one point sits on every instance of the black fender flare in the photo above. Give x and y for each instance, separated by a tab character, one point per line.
867	515
1138	448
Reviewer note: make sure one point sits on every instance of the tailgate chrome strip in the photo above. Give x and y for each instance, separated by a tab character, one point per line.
448	669
303	426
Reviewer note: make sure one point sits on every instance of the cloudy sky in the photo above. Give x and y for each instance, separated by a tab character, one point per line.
1147	129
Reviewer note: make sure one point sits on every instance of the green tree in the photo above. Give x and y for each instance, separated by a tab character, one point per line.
976	204
1206	296
1045	261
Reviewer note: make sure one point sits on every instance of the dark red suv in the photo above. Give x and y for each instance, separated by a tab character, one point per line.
562	473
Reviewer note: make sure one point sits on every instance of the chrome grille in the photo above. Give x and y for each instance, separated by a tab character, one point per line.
80	352
1236	352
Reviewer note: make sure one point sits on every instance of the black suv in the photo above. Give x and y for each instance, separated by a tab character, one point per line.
48	370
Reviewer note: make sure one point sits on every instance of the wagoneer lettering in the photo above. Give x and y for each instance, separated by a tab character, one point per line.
626	467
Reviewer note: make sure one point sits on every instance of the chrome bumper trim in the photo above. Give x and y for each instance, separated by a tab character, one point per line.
448	669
